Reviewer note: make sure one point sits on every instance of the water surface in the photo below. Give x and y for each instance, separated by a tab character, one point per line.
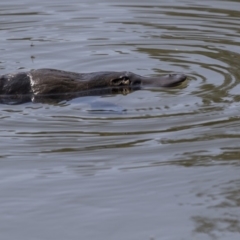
152	164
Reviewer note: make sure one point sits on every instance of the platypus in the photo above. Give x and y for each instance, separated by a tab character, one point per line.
62	84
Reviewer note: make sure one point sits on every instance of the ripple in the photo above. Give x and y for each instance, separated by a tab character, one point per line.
149	39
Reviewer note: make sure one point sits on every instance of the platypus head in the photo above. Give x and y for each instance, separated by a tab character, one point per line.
131	79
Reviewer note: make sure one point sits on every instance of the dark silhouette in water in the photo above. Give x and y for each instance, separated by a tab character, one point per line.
50	84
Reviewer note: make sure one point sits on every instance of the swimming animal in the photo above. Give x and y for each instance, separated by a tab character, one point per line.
44	83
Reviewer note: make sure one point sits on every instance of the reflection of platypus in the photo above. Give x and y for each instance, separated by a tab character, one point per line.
25	86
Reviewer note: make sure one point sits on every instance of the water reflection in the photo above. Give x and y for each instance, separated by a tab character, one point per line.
226	222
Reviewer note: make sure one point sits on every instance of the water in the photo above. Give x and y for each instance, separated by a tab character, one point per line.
152	164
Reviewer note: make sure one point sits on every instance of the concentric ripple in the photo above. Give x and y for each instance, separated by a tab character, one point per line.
154	38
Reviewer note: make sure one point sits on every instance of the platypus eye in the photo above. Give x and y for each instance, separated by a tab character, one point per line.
121	81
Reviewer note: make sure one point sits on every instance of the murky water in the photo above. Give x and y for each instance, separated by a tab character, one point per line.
152	164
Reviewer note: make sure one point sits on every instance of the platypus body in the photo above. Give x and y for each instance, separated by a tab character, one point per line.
60	85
